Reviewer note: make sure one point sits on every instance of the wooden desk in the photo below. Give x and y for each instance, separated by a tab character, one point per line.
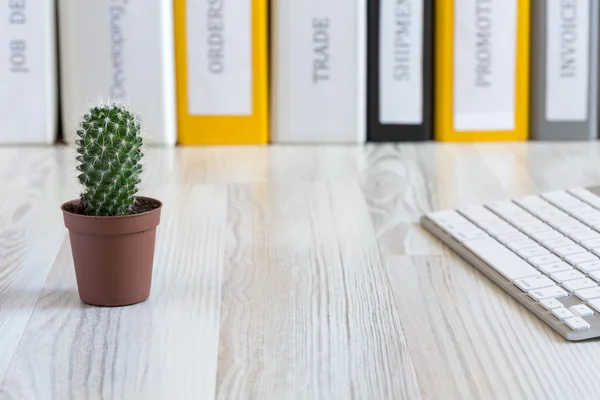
287	272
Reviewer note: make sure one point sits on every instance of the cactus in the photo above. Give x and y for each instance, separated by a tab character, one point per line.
109	153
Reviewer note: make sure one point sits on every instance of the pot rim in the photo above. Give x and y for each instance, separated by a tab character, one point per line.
111	217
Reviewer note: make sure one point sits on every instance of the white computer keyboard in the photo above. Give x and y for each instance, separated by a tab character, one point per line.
544	250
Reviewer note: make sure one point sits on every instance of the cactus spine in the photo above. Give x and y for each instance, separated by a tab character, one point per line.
109	153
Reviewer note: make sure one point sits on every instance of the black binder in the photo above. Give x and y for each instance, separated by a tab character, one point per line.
386	132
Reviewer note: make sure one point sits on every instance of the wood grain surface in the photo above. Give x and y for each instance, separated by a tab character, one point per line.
287	272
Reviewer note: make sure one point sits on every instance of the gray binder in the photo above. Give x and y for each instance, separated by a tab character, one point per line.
564	77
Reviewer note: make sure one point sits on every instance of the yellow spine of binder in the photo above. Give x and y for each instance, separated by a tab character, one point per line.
224	129
445	126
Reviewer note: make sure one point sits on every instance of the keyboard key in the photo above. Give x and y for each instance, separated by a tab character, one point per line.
550	269
535	228
547	235
595	304
593	216
551	215
531	201
585	235
448	218
581	258
590	217
493	224
596	251
595	275
579	206
522	244
546	213
579	284
592	221
562	313
444	216
515	213
501	259
594	202
463	231
566	276
522	220
568	204
585	215
577	324
553	292
538	261
536	282
557	196
533	252
535	202
588	294
572	228
478	214
571	206
551	304
557	222
504	206
558	242
468	234
566	221
589	266
591	244
581	310
512	237
564	251
457	226
581	193
500	229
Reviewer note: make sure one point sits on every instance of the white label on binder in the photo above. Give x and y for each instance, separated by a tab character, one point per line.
322	63
485	39
219	57
400	62
25	54
567	59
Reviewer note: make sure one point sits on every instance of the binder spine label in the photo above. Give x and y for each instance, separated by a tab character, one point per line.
23	75
322	69
219	57
401	62
485	37
567	59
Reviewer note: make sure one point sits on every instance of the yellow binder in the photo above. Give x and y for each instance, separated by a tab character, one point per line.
221	72
481	70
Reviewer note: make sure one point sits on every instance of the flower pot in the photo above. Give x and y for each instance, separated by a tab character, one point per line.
113	256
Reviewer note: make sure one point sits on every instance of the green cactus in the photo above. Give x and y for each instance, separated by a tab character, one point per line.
109	153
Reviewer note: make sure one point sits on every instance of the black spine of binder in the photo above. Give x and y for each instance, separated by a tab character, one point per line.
376	131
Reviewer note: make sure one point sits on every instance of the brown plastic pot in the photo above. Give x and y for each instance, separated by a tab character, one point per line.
113	256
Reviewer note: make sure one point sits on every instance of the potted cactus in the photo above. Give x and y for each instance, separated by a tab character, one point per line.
111	230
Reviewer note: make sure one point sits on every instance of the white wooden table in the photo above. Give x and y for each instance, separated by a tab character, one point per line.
293	272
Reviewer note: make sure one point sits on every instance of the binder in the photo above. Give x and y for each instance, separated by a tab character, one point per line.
400	70
564	70
481	70
319	71
28	77
222	72
118	51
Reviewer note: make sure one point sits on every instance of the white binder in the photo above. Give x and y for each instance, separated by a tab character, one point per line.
119	51
28	73
319	71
